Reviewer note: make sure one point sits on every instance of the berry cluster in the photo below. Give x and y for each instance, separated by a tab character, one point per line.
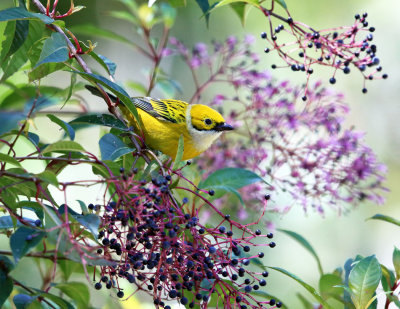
165	250
342	48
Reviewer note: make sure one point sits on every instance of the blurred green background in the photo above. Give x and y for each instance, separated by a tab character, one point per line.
335	237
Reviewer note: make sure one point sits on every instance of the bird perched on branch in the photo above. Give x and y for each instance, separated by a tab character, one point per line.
164	121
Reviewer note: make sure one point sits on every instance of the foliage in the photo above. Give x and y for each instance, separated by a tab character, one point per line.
146	222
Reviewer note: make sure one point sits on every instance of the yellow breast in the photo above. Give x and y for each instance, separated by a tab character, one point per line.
163	135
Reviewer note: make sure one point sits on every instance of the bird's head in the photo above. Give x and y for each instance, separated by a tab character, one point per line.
204	118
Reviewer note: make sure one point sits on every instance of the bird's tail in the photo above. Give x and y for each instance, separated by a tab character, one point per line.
97	92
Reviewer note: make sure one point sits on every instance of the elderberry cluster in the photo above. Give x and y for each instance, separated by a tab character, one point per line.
162	248
342	48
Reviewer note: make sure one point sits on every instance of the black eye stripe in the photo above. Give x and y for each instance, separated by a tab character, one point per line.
208	121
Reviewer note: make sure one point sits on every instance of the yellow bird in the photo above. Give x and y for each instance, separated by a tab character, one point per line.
164	121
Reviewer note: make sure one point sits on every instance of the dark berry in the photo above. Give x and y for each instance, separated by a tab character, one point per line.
211	192
263	35
120	294
97	286
332	80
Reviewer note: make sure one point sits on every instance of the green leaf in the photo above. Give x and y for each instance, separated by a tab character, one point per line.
385	218
63	146
77	291
179	153
6	38
9	120
55	49
57	300
115	89
66	126
89	221
106	63
168	14
44	69
240	10
308	287
20	35
137	87
327	285
24	240
228	180
205	8
10	65
302	241
306	303
91	30
49	177
282	3
39	103
396	262
363	281
21	301
226	2
68	268
102	120
6	283
177	3
19	13
8	159
388	278
111	147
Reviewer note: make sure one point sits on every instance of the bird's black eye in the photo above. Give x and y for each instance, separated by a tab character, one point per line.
208	121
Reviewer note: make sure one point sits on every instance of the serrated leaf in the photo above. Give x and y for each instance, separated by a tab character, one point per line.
19	13
111	147
102	120
8	159
396	262
55	49
308	287
62	146
77	291
302	241
66	126
24	240
385	218
363	281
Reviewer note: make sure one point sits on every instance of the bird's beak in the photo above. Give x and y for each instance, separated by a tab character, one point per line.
223	126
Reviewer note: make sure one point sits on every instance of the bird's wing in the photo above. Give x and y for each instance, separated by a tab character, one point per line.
169	110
